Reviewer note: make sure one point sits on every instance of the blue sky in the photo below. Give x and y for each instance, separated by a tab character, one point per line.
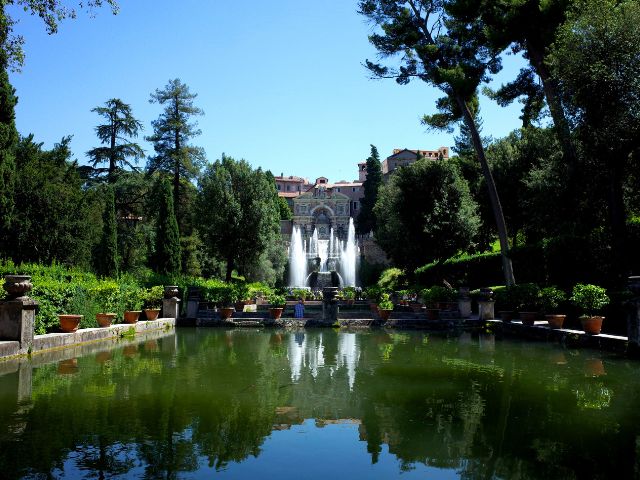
281	82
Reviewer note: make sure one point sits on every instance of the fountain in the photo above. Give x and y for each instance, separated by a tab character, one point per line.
327	262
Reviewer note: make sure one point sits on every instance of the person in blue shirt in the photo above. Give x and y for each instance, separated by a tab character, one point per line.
298	309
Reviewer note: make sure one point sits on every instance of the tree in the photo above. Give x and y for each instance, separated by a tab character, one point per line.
450	54
425	213
366	221
120	126
285	210
596	63
238	211
107	251
172	132
167	245
54	218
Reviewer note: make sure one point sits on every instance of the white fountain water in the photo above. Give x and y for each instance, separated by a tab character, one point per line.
348	257
297	260
334	254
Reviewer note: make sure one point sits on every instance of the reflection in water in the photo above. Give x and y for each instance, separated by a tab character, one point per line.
247	402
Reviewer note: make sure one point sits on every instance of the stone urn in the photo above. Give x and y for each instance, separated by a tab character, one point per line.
17	286
171	291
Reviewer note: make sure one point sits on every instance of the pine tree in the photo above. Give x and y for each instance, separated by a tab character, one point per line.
366	221
172	132
167	254
120	126
107	258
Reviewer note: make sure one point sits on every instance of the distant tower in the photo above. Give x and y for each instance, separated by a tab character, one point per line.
362	171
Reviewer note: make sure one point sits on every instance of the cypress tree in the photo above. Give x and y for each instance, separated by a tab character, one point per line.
167	255
366	221
107	260
8	139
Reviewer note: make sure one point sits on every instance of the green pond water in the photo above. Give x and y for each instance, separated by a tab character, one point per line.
200	404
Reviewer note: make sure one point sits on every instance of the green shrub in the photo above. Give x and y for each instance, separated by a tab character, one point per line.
277	301
392	279
373	293
349	293
526	296
300	293
385	303
550	298
152	297
438	294
589	298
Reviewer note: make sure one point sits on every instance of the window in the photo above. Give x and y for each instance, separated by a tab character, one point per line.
338	189
355	205
278	187
353	188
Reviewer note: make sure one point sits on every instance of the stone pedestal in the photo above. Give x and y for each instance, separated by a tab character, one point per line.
171	307
330	307
486	310
464	303
193	301
18	313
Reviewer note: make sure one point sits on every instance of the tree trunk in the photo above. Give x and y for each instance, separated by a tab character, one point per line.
557	113
507	266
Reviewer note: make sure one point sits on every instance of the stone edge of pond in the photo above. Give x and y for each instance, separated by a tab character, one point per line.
566	337
57	341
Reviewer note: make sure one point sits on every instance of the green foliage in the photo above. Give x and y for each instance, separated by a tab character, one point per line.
277	301
121	125
285	210
302	293
348	293
550	298
366	220
425	213
107	250
8	142
167	251
172	132
153	296
392	279
589	298
373	293
438	294
238	214
385	303
54	218
526	296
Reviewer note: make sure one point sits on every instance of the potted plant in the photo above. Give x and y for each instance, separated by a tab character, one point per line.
550	298
153	302
106	295
527	298
133	305
444	298
277	304
349	295
228	297
505	301
590	298
373	294
242	296
429	297
385	307
69	322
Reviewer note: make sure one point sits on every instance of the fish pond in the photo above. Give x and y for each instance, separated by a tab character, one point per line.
213	403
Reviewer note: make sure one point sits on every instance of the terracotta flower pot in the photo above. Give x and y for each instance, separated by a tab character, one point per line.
592	325
555	321
276	313
225	312
105	319
506	316
152	313
528	318
69	323
385	313
433	313
132	316
68	367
